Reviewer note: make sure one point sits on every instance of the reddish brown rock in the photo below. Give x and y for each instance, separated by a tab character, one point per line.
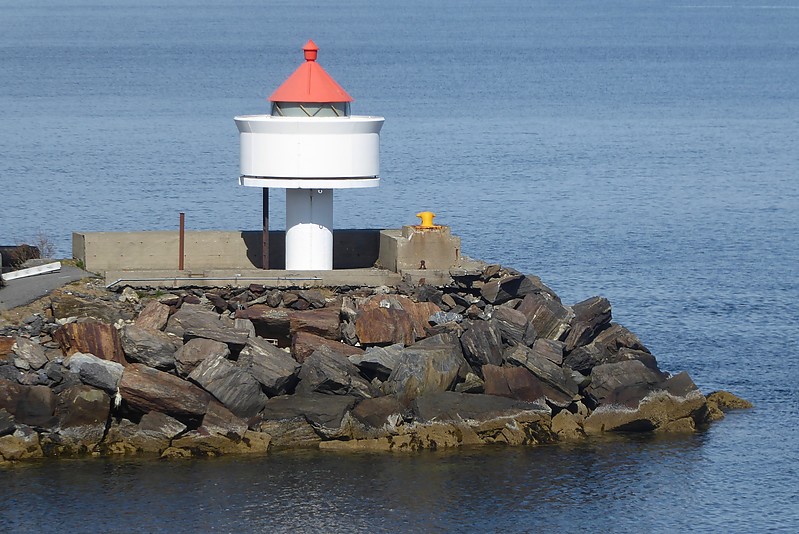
146	389
419	312
5	345
323	322
154	316
99	339
304	343
384	326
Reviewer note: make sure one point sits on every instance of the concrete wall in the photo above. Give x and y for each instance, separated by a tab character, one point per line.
419	249
103	251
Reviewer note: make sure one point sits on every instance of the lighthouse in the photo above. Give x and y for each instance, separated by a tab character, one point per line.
308	145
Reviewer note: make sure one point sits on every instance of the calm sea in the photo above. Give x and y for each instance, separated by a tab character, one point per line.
647	151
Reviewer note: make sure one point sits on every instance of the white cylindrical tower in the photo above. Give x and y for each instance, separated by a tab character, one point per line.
309	145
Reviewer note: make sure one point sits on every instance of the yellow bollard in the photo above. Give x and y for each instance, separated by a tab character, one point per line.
427	219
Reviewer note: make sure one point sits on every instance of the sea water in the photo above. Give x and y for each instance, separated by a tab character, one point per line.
637	149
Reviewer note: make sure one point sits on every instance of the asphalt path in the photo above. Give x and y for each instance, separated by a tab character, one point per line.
23	291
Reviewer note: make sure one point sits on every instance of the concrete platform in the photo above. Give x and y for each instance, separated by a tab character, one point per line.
244	277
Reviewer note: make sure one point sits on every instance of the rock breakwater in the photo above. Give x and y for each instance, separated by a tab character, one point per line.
493	358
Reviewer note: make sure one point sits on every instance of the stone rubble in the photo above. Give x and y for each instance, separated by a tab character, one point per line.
495	357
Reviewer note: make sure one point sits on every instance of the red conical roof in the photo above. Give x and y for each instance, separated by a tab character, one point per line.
310	83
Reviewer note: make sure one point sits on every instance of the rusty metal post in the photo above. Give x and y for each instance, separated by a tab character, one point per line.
182	241
265	240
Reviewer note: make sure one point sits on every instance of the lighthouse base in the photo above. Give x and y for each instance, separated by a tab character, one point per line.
309	229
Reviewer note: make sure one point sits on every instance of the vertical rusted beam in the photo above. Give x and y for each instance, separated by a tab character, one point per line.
182	240
265	241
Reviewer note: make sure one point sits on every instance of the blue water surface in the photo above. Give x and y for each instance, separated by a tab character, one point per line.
638	149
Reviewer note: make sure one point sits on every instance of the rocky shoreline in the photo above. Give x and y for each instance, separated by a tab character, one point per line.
493	358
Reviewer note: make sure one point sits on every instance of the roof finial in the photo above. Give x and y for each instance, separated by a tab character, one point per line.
310	49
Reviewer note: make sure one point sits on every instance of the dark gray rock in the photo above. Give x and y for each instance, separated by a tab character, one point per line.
623	383
482	343
30	405
95	372
452	406
82	405
317	408
591	316
512	382
549	317
150	347
542	368
221	421
232	385
510	287
196	351
611	345
272	367
375	412
160	425
378	361
7	424
327	371
512	325
433	364
191	316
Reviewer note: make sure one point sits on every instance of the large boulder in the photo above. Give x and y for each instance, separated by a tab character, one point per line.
433	364
146	389
96	372
549	317
323	412
272	367
542	367
150	347
378	361
328	371
323	322
419	312
30	405
191	316
624	383
611	345
675	406
153	316
231	384
304	343
269	322
82	413
99	339
512	382
195	351
591	316
482	343
65	306
513	326
384	326
511	287
377	412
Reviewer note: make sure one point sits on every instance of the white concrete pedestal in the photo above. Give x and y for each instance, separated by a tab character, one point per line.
309	229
